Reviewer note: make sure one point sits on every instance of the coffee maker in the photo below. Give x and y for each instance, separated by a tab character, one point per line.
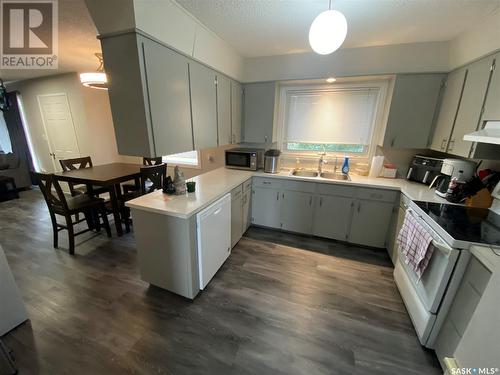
461	170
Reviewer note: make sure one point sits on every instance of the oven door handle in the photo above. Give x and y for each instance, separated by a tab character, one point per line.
437	241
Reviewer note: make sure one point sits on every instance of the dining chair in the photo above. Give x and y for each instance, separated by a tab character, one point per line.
152	178
80	163
59	204
147	162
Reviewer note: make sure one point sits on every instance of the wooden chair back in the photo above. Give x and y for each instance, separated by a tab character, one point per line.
56	202
156	175
72	164
151	161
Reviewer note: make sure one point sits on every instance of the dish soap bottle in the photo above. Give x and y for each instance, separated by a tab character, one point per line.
345	166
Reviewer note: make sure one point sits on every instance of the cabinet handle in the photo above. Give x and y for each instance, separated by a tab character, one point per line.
310	200
277	196
266	183
359	207
392	142
443	144
283	196
451	144
320	201
265	139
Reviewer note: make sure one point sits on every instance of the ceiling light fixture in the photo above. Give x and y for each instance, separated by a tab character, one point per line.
331	79
95	80
328	31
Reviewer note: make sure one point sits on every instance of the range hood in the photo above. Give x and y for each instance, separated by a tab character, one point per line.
489	134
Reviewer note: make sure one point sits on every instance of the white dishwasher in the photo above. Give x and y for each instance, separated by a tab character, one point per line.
214	238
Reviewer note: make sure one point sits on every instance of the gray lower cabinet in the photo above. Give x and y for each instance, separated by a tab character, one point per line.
224	110
370	222
236	215
247	207
266	207
332	217
448	111
203	106
297	211
168	87
491	106
414	105
236	107
258	109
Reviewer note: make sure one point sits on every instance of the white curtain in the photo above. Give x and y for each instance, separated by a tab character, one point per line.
5	144
344	116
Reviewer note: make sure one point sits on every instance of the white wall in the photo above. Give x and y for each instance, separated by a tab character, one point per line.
91	116
417	57
476	42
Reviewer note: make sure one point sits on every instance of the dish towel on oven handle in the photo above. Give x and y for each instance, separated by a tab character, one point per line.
414	243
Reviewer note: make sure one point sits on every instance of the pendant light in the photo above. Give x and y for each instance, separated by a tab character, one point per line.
328	31
95	80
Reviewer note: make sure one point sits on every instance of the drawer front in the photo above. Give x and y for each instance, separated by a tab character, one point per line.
247	185
237	192
377	194
273	183
306	187
338	190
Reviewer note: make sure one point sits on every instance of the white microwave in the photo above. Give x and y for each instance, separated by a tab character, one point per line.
249	159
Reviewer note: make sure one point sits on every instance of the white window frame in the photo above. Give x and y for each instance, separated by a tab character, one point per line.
382	83
173	160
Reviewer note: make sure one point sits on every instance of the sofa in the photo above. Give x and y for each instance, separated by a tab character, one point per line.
13	166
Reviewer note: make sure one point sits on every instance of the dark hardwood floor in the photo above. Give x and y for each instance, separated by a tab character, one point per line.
281	304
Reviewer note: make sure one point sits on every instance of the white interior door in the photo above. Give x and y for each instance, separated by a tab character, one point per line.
59	127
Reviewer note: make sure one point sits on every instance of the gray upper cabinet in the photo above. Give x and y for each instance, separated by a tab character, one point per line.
168	88
224	110
469	112
258	111
236	107
448	111
413	108
492	105
203	105
128	94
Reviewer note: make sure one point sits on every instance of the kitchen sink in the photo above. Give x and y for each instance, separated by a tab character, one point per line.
335	176
302	173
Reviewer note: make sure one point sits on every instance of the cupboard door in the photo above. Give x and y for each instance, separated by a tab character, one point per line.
370	223
236	215
247	212
413	107
332	217
471	104
236	108
258	111
168	88
224	110
492	106
448	110
266	204
203	106
297	211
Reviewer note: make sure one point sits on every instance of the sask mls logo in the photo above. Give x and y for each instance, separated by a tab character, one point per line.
29	37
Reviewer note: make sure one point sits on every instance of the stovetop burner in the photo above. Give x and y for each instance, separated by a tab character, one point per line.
463	223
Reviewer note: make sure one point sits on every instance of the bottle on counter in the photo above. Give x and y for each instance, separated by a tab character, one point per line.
345	166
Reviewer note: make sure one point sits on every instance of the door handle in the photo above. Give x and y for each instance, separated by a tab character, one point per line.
278	196
320	201
310	200
359	207
443	144
451	144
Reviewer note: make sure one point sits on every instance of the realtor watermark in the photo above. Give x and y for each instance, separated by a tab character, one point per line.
29	34
474	371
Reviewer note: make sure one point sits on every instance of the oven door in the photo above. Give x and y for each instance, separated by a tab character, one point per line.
239	160
423	297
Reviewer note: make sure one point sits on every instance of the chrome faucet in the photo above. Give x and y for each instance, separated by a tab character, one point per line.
321	161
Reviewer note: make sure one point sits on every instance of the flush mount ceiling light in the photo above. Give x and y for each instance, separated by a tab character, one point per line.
328	31
95	80
331	79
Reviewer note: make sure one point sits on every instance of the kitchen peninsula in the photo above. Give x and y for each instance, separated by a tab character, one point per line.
166	225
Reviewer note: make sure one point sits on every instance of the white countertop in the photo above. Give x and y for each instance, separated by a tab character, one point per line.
214	184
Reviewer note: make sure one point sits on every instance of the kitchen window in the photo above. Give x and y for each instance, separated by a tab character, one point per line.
188	159
338	119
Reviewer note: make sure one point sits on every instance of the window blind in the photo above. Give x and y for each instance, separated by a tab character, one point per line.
342	116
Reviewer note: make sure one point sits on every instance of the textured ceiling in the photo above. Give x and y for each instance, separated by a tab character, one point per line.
77	43
275	27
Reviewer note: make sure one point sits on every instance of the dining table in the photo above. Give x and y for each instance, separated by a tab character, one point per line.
109	176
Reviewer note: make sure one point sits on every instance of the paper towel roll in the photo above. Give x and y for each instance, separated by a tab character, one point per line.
376	166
